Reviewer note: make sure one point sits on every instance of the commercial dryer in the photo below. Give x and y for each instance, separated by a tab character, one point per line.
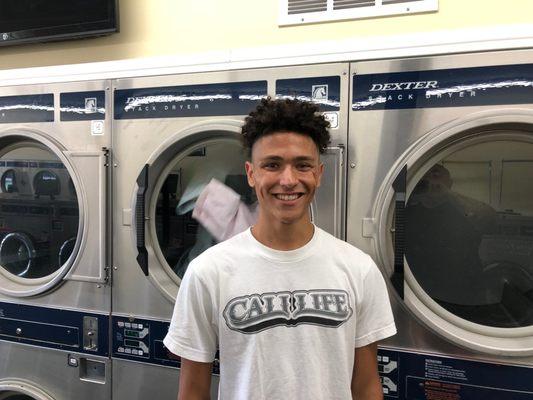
439	192
55	298
171	136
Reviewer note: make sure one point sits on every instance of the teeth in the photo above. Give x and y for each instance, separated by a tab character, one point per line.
287	197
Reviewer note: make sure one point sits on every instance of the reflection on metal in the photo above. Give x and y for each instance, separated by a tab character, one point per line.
479	86
46	183
331	103
370	102
142	101
66	250
254	97
17	253
26	107
83	110
8	182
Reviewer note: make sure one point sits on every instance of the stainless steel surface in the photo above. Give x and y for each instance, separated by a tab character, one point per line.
133	380
133	148
80	281
46	375
162	143
332	193
380	144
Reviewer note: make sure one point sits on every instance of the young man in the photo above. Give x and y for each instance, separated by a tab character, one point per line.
295	312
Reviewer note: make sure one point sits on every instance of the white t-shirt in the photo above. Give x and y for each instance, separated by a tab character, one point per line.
286	322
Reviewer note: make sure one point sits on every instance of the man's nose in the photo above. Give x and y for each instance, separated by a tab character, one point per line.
288	177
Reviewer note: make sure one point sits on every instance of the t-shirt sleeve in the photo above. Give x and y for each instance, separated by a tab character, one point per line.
192	333
374	315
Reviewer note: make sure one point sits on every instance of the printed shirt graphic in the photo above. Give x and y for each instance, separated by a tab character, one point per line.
274	314
256	313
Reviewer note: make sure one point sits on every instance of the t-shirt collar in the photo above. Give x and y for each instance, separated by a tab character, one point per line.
285	256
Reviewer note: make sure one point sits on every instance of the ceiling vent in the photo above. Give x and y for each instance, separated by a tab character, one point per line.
293	12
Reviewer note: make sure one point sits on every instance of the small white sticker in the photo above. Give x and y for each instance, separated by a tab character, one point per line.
333	118
97	127
319	92
90	105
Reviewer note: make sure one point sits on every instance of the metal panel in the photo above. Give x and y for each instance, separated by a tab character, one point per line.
56	374
90	266
156	141
382	142
79	146
132	380
158	138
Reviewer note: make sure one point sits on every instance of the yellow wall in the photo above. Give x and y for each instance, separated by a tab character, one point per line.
174	27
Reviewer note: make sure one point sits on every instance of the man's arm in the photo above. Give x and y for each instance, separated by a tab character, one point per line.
366	384
195	380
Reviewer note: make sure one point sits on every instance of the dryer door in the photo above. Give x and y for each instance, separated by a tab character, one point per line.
19	390
41	224
195	194
461	217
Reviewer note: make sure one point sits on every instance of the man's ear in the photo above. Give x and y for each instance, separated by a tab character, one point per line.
319	174
249	173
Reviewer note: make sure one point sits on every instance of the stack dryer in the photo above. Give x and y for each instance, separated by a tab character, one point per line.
55	297
171	135
439	193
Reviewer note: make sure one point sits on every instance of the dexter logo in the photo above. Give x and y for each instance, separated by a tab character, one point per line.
383	87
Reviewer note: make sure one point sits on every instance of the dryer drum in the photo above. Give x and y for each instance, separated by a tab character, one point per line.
19	253
15	396
66	250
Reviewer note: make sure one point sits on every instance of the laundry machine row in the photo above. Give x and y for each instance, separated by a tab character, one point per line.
427	171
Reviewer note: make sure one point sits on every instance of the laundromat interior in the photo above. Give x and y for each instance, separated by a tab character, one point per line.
115	114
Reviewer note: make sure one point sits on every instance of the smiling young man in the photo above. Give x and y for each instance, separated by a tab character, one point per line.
295	312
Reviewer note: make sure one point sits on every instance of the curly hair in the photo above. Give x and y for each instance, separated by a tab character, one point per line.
287	115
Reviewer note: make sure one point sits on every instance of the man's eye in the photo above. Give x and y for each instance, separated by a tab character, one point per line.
271	165
304	166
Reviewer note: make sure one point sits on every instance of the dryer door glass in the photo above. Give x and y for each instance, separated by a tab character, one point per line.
14	396
469	233
194	212
38	213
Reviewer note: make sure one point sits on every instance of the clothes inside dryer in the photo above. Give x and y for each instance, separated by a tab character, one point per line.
469	233
39	215
181	236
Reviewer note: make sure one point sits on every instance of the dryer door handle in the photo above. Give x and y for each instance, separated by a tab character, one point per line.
400	223
140	219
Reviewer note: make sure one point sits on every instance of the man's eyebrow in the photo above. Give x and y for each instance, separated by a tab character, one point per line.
278	158
272	158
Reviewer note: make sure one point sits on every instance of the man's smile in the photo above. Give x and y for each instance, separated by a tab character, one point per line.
288	196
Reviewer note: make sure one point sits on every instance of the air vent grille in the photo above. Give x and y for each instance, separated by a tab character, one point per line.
398	1
344	4
293	12
306	6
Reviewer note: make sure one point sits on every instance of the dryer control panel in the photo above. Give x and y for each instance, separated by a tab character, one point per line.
410	375
141	340
75	331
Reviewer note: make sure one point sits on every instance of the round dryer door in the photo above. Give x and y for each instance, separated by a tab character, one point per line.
201	194
15	396
39	217
194	193
18	390
463	240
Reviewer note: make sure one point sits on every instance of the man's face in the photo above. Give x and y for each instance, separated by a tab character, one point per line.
285	171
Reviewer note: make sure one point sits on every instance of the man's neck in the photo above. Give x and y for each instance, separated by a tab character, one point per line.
279	236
